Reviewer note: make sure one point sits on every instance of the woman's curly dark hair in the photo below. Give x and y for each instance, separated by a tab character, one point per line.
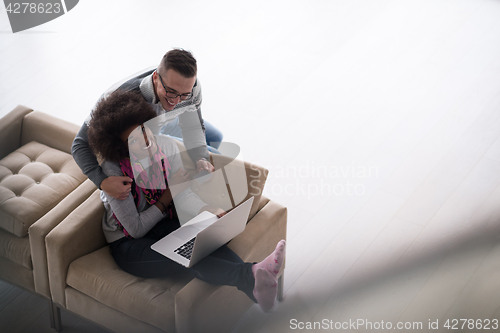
113	115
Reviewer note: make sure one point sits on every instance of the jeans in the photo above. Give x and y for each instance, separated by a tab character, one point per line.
212	134
222	267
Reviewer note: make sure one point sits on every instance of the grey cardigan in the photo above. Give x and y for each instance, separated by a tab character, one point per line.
190	122
139	220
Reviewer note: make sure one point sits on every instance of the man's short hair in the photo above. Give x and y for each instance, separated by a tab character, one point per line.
181	61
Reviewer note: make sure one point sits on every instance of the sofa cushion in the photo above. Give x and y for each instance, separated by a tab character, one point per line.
148	300
33	179
15	249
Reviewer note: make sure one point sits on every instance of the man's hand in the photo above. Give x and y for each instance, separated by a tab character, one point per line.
117	187
203	164
214	210
180	177
179	182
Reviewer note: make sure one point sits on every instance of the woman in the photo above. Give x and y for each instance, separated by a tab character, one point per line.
117	135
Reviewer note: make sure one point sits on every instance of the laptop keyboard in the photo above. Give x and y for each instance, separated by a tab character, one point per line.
186	249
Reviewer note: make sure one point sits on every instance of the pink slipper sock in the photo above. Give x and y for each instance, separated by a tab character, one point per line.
265	290
274	261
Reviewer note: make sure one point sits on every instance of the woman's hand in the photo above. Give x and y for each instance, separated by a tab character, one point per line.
214	210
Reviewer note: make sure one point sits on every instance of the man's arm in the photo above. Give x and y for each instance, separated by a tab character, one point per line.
193	135
85	158
193	128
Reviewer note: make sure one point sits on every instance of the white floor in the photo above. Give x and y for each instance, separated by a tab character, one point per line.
378	120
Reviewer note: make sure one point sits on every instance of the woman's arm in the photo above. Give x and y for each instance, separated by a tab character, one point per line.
137	223
163	201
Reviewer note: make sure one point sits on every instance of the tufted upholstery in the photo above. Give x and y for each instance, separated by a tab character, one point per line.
39	184
33	179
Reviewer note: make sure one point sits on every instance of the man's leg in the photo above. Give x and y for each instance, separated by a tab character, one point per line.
172	129
212	135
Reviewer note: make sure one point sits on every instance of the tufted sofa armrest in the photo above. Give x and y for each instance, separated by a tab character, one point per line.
48	130
10	130
77	235
40	229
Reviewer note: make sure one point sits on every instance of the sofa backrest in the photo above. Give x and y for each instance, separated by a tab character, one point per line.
227	188
10	130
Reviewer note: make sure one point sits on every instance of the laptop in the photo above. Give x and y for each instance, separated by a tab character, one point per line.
203	234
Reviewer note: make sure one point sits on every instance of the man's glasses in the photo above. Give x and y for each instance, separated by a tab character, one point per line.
171	94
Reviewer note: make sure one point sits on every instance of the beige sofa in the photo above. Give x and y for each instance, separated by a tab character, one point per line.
84	278
40	184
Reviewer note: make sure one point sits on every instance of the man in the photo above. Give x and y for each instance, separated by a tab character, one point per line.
175	93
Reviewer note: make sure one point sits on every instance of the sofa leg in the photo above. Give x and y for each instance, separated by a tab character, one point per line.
51	314
280	287
55	316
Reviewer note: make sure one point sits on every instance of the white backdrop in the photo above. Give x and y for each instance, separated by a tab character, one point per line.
378	120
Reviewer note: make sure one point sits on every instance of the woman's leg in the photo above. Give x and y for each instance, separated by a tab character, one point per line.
266	272
258	281
136	257
274	261
224	267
